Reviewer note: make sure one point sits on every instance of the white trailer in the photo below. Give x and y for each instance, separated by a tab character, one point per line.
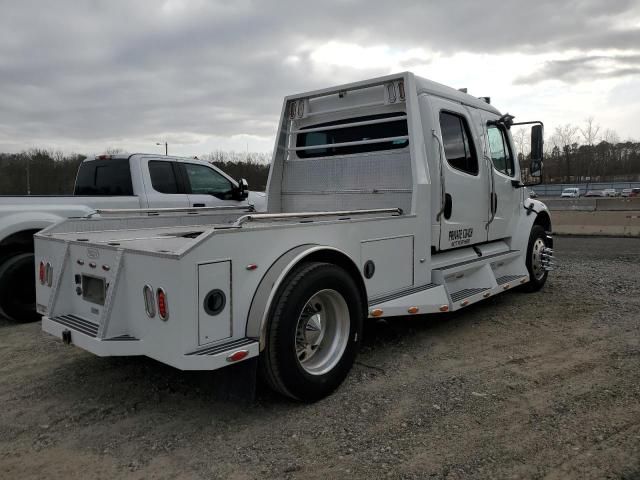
387	197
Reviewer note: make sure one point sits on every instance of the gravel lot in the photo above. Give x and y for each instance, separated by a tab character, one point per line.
542	385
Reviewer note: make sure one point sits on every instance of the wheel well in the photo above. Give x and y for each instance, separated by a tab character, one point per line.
544	220
20	241
343	261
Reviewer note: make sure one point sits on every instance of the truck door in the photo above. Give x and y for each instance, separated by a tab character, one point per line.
507	198
163	185
464	208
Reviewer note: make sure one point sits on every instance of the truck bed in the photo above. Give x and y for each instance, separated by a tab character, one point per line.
172	234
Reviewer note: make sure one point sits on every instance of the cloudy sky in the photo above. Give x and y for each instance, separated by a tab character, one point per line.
204	75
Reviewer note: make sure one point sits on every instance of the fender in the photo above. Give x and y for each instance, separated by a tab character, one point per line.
23	221
535	212
258	316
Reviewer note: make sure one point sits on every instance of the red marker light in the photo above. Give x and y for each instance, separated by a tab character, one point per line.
163	308
237	356
42	273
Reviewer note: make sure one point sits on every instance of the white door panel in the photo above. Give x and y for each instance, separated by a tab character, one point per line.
463	221
162	184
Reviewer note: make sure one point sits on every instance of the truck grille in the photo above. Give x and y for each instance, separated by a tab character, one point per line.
77	323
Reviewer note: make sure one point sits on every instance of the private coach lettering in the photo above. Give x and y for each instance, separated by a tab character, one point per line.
462	236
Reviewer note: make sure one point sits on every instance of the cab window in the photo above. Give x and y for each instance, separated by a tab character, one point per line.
499	149
163	177
205	180
458	149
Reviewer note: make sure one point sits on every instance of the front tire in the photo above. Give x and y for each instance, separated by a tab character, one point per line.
537	274
18	289
314	332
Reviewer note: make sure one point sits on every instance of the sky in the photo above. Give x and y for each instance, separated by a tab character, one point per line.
207	75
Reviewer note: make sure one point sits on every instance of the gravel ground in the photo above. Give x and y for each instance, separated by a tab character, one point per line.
542	385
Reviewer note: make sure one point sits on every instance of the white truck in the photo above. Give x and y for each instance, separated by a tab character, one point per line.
388	197
127	181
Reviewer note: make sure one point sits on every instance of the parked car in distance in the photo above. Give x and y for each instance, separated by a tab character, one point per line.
610	192
625	192
635	192
533	194
595	193
571	192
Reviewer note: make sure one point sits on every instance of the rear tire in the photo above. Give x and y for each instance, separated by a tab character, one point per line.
537	275
314	332
18	289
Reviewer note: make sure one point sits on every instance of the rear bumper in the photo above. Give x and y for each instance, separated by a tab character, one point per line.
209	358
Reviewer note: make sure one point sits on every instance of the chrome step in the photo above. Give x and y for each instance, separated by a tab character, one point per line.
466	293
77	323
215	349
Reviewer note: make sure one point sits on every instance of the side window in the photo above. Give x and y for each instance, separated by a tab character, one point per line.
205	180
500	152
455	136
163	177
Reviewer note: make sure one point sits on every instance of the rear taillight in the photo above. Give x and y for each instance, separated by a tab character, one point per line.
42	273
163	306
149	301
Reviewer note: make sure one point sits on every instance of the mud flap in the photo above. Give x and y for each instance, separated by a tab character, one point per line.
236	382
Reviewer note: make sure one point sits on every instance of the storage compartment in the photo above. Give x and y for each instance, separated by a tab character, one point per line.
214	301
387	264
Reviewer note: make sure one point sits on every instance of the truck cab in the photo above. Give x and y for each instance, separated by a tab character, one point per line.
388	197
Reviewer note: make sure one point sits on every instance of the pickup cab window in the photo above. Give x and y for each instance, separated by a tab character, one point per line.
163	177
109	177
205	180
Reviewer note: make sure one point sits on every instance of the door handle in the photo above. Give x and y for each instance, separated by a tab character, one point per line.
198	204
448	206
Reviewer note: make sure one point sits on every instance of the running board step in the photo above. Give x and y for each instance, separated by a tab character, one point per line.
220	348
466	293
77	323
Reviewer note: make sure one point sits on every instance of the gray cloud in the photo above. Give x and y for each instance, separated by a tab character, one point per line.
584	68
88	71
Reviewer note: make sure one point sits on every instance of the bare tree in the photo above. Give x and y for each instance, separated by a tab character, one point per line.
521	140
565	135
590	132
113	150
610	136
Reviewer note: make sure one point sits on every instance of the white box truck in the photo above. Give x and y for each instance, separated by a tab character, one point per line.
391	196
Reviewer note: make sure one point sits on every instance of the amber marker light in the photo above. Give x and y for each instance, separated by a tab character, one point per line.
376	312
413	310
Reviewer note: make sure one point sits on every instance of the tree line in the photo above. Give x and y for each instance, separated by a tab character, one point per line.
48	172
573	154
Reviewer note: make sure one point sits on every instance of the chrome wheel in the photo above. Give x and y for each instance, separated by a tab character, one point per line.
536	258
322	332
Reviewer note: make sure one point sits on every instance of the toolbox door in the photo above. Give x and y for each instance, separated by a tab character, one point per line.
214	301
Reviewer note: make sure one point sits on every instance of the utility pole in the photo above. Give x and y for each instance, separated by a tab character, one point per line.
166	147
28	177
